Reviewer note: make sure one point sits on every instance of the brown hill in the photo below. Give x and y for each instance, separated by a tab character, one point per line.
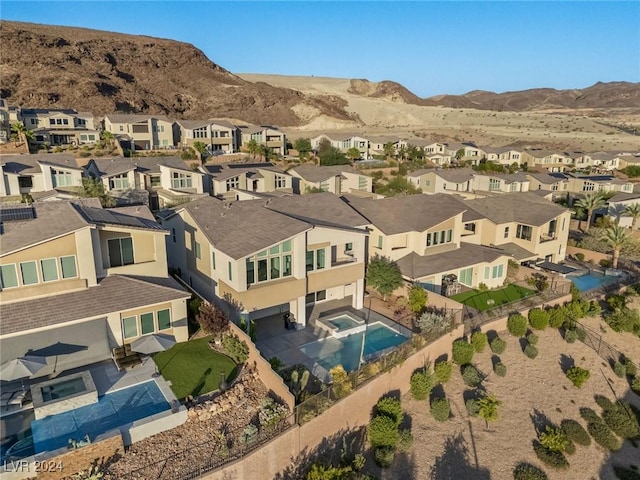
388	90
102	72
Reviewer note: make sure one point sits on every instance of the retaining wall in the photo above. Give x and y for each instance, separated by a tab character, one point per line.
589	255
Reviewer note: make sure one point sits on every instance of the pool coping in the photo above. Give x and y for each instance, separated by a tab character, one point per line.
44	408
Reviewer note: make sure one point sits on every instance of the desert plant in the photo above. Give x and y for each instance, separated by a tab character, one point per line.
635	385
557	317
620	369
442	371
526	471
298	382
570	336
517	325
630	368
405	441
212	320
433	321
500	369
532	338
249	434
479	341
498	346
488	408
383	456
554	439
580	256
421	384
275	363
472	407
578	376
237	349
599	430
471	376
341	384
538	318
383	432
552	458
271	413
621	419
462	352
319	471
575	432
440	409
390	407
531	351
417	298
538	281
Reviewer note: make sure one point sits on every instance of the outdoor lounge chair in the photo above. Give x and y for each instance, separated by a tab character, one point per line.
125	358
5	397
18	398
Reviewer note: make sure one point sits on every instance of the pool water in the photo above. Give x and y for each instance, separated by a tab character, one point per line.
343	322
590	281
63	389
112	410
346	351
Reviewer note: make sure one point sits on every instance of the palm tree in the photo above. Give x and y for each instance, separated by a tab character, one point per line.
617	237
253	148
488	409
633	211
22	132
591	202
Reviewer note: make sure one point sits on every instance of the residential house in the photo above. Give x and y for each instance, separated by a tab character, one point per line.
344	142
430	147
445	180
265	257
501	183
72	273
141	132
617	205
525	225
40	176
220	136
503	155
336	179
582	184
60	127
605	161
423	234
155	181
547	160
627	160
265	135
470	152
8	115
439	159
227	180
377	145
548	182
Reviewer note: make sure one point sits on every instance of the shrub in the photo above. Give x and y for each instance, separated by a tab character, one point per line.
575	432
538	318
532	338
212	320
635	385
531	351
319	471
599	430
405	441
249	434
479	341
556	317
621	419
383	432
390	407
526	471
630	368
552	458
500	369
237	349
570	448
442	371
620	369
517	325
472	407
417	298
570	336
271	413
498	346
580	256
383	456
554	439
578	376
624	320
341	384
440	409
433	322
275	363
421	384
471	376
462	352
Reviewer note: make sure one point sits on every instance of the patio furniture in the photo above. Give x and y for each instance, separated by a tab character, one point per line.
18	399
5	397
125	358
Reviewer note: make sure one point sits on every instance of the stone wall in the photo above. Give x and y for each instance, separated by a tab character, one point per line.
589	255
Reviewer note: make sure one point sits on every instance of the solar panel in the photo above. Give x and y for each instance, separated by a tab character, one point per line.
8	214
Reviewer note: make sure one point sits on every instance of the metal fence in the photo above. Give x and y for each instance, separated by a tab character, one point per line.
594	340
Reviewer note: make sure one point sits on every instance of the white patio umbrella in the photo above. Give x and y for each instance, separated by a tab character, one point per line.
21	367
157	342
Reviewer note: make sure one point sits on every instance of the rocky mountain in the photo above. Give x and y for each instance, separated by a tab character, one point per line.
63	67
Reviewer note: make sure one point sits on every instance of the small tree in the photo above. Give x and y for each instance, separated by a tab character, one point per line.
538	318
303	146
417	298
442	371
212	320
341	383
94	188
488	409
539	281
578	376
479	341
616	237
554	439
422	382
384	275
353	154
590	203
200	147
517	325
633	211
462	352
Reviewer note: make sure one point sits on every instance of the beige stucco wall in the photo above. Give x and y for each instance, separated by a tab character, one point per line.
267	294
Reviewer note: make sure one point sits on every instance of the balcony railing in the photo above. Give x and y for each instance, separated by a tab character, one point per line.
547	237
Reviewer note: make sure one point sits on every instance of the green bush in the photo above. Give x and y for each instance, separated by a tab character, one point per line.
405	441
578	376
526	471
580	256
570	448
498	346
621	419
517	325
471	376
472	407
275	363
624	320
390	407
557	317
421	384
479	341
383	456
575	432
442	371
383	432
552	458
538	318
620	370
237	349
630	368
635	385
440	409
531	351
599	430
604	403
570	336
462	352
554	439
532	338
500	369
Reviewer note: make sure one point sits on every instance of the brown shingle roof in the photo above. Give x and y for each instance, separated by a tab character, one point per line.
524	207
315	174
23	164
455	175
114	293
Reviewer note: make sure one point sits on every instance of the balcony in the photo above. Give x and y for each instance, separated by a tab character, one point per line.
546	237
346	258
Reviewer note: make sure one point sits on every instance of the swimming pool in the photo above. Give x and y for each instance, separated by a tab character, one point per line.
591	280
63	389
112	410
343	322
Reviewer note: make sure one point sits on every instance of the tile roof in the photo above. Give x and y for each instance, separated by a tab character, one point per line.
623	197
416	266
133	118
517	252
114	293
191	124
221	172
412	213
421	171
113	166
149	165
507	177
455	175
25	164
524	207
222	123
315	174
546	178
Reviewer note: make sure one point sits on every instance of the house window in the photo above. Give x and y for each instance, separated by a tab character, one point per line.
497	271
513	187
122	128
25	182
362	182
52	121
494	184
466	276
130	327
68	266
196	249
233	183
155	181
65	121
348	247
315	259
29	271
173	235
8	276
506	232
270	264
213	260
436	238
119	182
316	296
588	187
49	267
523	232
147	323
256	136
180	180
120	251
230	271
34	121
379	241
251	272
164	319
470	226
487	272
61	178
281	182
552	228
563	220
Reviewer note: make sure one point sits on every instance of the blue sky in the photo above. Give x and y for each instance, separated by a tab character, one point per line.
430	47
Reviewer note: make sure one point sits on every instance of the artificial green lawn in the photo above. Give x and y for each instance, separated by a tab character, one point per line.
193	368
478	300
